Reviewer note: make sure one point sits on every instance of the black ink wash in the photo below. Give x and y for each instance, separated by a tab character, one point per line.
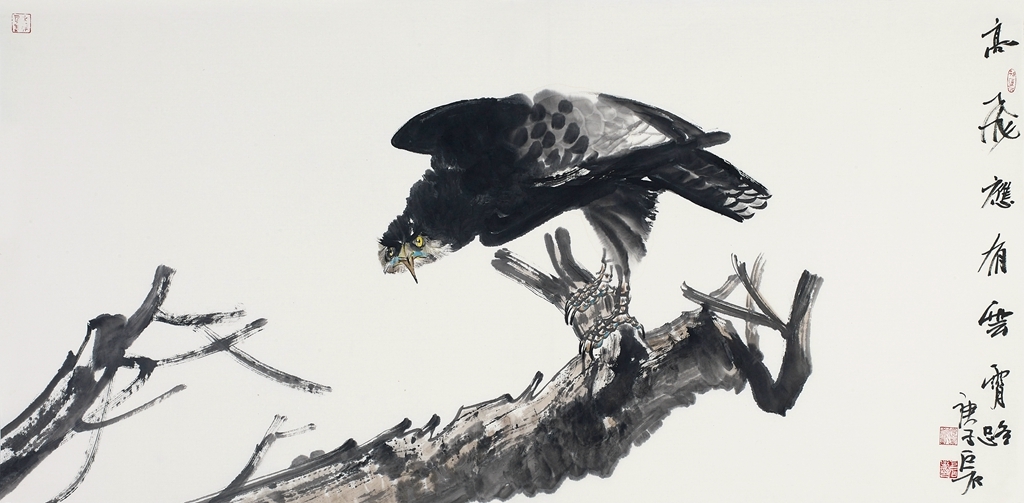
997	194
996	383
997	45
996	320
991	436
589	416
78	398
967	460
995	257
994	119
967	411
502	167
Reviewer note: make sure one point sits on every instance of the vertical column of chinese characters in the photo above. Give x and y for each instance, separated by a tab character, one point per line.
996	126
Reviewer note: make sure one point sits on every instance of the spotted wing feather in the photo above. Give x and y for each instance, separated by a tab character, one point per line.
633	142
580	143
563	131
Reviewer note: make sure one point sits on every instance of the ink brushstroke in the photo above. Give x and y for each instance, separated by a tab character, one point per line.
581	422
502	167
76	401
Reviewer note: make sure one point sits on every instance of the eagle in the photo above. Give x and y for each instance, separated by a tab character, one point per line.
500	167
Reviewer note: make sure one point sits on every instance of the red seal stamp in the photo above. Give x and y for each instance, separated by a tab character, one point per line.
948	435
1011	80
21	23
948	469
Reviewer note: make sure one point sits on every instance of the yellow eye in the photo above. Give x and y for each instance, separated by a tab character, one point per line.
418	242
389	253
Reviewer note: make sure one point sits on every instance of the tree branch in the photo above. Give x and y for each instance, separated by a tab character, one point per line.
75	400
586	418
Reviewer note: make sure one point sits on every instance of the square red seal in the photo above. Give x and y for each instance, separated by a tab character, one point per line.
948	468
21	23
948	435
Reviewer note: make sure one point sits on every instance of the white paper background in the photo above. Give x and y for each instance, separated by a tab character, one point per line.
246	144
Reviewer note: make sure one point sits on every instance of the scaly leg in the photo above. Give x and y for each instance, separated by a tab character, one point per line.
610	308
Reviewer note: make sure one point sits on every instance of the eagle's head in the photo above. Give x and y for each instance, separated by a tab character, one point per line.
405	246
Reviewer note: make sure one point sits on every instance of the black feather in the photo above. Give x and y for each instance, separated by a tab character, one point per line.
501	167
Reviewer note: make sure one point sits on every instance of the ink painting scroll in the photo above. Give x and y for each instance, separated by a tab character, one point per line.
690	252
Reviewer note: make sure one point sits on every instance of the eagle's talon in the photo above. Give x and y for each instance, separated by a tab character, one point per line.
588	296
613	314
594	337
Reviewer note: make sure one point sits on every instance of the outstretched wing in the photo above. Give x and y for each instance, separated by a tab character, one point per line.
469	136
577	141
688	170
574	142
564	132
616	138
545	136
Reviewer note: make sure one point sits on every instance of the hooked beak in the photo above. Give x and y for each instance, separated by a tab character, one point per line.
405	258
